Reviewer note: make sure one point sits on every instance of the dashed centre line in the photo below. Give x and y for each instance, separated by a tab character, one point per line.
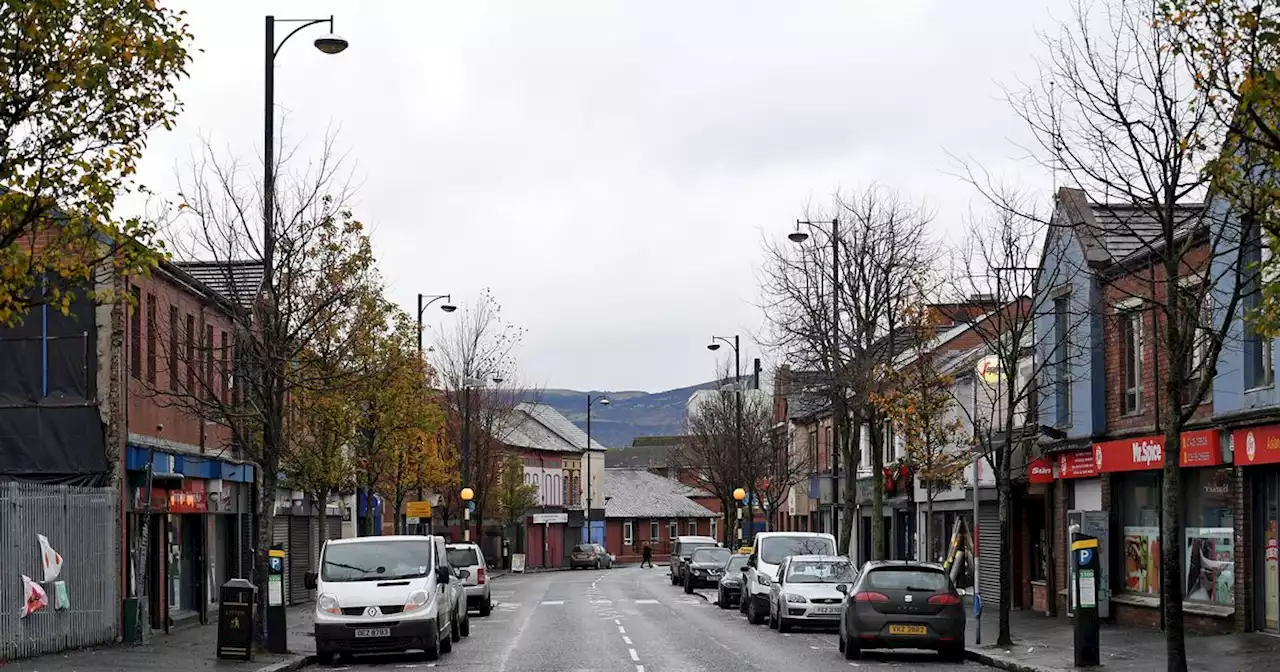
627	640
634	656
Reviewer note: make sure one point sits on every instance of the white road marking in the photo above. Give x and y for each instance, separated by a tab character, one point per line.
551	603
639	668
634	655
617	621
622	630
646	601
627	640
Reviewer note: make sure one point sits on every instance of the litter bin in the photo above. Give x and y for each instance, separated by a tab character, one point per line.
237	598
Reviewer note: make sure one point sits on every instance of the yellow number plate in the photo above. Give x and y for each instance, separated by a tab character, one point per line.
908	630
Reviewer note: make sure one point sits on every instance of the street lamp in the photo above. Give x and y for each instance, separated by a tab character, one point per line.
587	461
799	236
468	383
467	494
328	43
738	495
737	385
447	307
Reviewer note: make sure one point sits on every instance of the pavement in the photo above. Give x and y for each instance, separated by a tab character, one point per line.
1046	645
632	620
190	648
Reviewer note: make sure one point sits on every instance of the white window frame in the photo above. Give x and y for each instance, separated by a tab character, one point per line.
655	532
673	529
628	533
1129	314
693	527
713	529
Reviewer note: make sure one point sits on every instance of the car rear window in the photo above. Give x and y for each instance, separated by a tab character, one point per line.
820	571
462	557
903	578
736	563
716	555
581	549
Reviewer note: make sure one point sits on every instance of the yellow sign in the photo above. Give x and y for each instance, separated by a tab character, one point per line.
1084	543
989	369
275	553
417	509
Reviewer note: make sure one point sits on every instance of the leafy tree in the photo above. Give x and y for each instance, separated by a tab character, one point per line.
515	496
82	83
919	403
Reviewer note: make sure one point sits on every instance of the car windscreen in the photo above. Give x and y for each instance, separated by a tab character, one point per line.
376	561
820	571
736	563
713	555
906	578
462	557
773	550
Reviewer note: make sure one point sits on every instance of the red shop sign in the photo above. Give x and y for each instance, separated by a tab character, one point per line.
1257	445
1077	464
1200	448
186	501
1039	471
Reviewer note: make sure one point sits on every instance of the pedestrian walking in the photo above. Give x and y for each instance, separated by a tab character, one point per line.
646	556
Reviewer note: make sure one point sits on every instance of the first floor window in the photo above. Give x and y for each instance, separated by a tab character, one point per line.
628	536
1131	359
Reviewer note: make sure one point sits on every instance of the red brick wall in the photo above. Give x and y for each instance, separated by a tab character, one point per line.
150	404
661	545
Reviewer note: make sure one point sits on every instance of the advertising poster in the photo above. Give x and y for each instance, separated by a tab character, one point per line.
1210	564
1142	559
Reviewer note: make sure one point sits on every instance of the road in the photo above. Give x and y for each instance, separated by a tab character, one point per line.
632	620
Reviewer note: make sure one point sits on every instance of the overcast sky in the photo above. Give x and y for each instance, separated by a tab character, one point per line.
609	168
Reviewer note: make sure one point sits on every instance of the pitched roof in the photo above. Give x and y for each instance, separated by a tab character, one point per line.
540	427
641	457
237	281
636	493
1111	233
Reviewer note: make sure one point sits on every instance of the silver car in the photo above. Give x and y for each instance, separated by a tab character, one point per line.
469	557
809	591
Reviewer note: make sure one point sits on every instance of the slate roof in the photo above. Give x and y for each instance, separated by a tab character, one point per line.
641	457
237	281
1116	232
541	427
636	493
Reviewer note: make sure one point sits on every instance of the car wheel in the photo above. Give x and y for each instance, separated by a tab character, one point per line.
722	600
432	652
954	654
324	657
773	618
840	642
455	631
466	626
783	625
743	596
851	652
446	641
486	607
688	586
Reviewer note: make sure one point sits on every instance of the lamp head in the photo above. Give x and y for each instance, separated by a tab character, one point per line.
739	494
467	494
713	346
797	236
331	44
448	307
604	402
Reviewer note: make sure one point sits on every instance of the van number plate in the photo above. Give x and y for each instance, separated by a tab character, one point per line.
373	632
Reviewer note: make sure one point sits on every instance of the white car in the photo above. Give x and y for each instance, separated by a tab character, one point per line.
385	594
809	591
468	556
768	551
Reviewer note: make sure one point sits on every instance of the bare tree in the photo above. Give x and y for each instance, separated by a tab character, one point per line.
709	450
1117	116
322	266
873	263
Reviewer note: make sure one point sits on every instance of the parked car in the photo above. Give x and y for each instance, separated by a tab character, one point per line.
809	591
468	556
590	556
384	594
681	550
705	567
729	588
461	617
769	549
896	604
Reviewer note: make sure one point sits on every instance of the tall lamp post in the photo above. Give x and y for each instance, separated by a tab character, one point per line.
468	383
735	343
799	236
586	458
327	43
276	624
447	307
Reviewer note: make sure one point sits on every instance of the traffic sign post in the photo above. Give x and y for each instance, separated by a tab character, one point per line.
418	513
1085	566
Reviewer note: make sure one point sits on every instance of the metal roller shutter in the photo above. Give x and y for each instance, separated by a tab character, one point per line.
280	535
989	554
299	552
335	527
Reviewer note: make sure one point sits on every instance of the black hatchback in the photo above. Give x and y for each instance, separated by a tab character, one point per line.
903	605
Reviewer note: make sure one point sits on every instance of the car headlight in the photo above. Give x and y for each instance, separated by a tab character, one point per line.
796	598
764	580
329	603
416	600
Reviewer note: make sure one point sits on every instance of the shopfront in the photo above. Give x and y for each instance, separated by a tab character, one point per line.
1258	449
1207	545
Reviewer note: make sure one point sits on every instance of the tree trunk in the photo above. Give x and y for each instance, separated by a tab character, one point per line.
1003	492
1171	570
928	525
321	497
266	516
877	489
851	442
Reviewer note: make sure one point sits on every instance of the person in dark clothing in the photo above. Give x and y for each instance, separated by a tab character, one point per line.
646	556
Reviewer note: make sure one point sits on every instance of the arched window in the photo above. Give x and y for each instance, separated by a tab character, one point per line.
555	488
546	493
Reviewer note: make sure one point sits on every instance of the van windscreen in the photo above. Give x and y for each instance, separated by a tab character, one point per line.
376	561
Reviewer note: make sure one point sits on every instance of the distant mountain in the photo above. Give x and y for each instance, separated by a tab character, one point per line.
629	414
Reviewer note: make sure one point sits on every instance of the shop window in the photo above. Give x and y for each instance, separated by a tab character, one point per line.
1140	519
1208	551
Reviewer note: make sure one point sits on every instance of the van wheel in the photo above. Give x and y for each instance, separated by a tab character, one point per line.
446	641
466	626
432	652
455	631
486	607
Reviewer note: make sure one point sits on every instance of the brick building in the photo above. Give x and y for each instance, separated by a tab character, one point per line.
648	509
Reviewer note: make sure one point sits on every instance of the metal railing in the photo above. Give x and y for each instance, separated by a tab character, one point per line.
83	525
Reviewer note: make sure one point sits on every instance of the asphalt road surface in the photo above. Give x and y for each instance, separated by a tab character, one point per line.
632	620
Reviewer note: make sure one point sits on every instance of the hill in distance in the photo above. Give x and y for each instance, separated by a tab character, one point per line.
630	413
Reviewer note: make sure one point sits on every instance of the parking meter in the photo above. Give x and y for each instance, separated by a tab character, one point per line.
1085	569
277	627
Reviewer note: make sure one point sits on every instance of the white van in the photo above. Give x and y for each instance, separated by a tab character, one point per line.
768	551
384	594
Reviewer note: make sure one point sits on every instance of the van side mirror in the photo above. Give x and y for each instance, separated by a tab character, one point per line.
844	590
309	580
442	574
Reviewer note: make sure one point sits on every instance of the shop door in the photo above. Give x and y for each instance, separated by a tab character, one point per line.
1267	532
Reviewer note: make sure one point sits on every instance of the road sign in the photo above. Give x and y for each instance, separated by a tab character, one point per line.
417	509
550	518
471	506
412	520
